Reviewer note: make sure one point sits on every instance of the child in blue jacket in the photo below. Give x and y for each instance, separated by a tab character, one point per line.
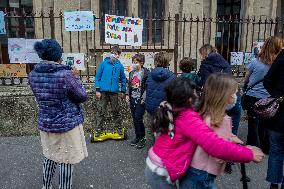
110	82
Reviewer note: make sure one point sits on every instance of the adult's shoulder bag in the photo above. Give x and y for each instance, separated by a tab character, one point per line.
268	107
244	99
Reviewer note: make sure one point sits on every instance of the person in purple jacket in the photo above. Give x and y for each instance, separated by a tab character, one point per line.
59	94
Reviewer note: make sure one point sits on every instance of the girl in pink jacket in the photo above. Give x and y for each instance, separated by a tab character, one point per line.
219	92
180	131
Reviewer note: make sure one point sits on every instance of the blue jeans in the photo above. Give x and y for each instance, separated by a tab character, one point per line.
235	114
156	181
276	158
137	111
197	179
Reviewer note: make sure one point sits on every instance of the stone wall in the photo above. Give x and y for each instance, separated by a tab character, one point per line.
18	113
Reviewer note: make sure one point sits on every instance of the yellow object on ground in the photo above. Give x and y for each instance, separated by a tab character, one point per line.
109	135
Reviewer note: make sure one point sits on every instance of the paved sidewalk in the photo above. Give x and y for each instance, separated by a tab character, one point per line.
110	165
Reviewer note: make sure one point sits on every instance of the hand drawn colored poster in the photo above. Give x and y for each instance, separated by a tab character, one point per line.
31	55
13	70
22	50
126	60
79	20
237	58
75	60
123	30
17	50
247	58
2	23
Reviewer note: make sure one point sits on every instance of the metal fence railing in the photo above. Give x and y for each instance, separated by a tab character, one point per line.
179	35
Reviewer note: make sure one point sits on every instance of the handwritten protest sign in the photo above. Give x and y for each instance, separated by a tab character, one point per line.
75	60
2	23
79	20
13	70
126	60
22	50
123	30
237	58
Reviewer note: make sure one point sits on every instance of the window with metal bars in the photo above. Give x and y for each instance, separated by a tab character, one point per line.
152	11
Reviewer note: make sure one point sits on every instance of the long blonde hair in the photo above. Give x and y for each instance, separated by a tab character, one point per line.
217	90
270	50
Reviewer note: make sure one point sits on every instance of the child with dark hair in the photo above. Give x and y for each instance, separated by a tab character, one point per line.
109	77
179	130
157	80
186	65
136	89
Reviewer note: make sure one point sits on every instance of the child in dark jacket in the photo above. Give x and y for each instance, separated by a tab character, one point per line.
109	77
136	89
157	80
186	65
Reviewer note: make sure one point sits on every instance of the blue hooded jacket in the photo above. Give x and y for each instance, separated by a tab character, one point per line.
109	76
213	63
58	94
157	80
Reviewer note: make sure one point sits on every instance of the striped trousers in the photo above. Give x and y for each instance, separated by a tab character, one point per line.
65	174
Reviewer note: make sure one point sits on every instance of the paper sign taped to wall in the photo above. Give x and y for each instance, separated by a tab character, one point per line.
76	60
123	30
2	23
79	20
237	58
22	50
247	58
13	70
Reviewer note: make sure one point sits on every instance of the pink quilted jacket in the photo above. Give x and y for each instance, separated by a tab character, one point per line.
190	131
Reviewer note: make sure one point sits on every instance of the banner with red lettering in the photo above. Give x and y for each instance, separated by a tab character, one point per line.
123	30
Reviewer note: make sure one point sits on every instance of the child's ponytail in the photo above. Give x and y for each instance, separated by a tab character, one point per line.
163	119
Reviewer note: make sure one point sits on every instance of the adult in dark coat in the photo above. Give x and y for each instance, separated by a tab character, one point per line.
274	84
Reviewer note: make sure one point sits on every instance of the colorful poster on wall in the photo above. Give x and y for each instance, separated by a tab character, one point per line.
22	50
2	23
79	20
247	57
123	30
31	55
126	60
75	60
17	50
237	58
13	70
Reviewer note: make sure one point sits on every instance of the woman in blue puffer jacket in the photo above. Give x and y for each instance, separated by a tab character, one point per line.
59	94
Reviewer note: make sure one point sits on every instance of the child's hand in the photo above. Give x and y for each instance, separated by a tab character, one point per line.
236	139
258	155
127	98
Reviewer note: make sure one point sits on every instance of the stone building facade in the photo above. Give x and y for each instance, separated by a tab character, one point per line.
191	35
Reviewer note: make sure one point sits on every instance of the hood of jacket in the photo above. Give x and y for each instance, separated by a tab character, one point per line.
216	60
50	67
161	74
